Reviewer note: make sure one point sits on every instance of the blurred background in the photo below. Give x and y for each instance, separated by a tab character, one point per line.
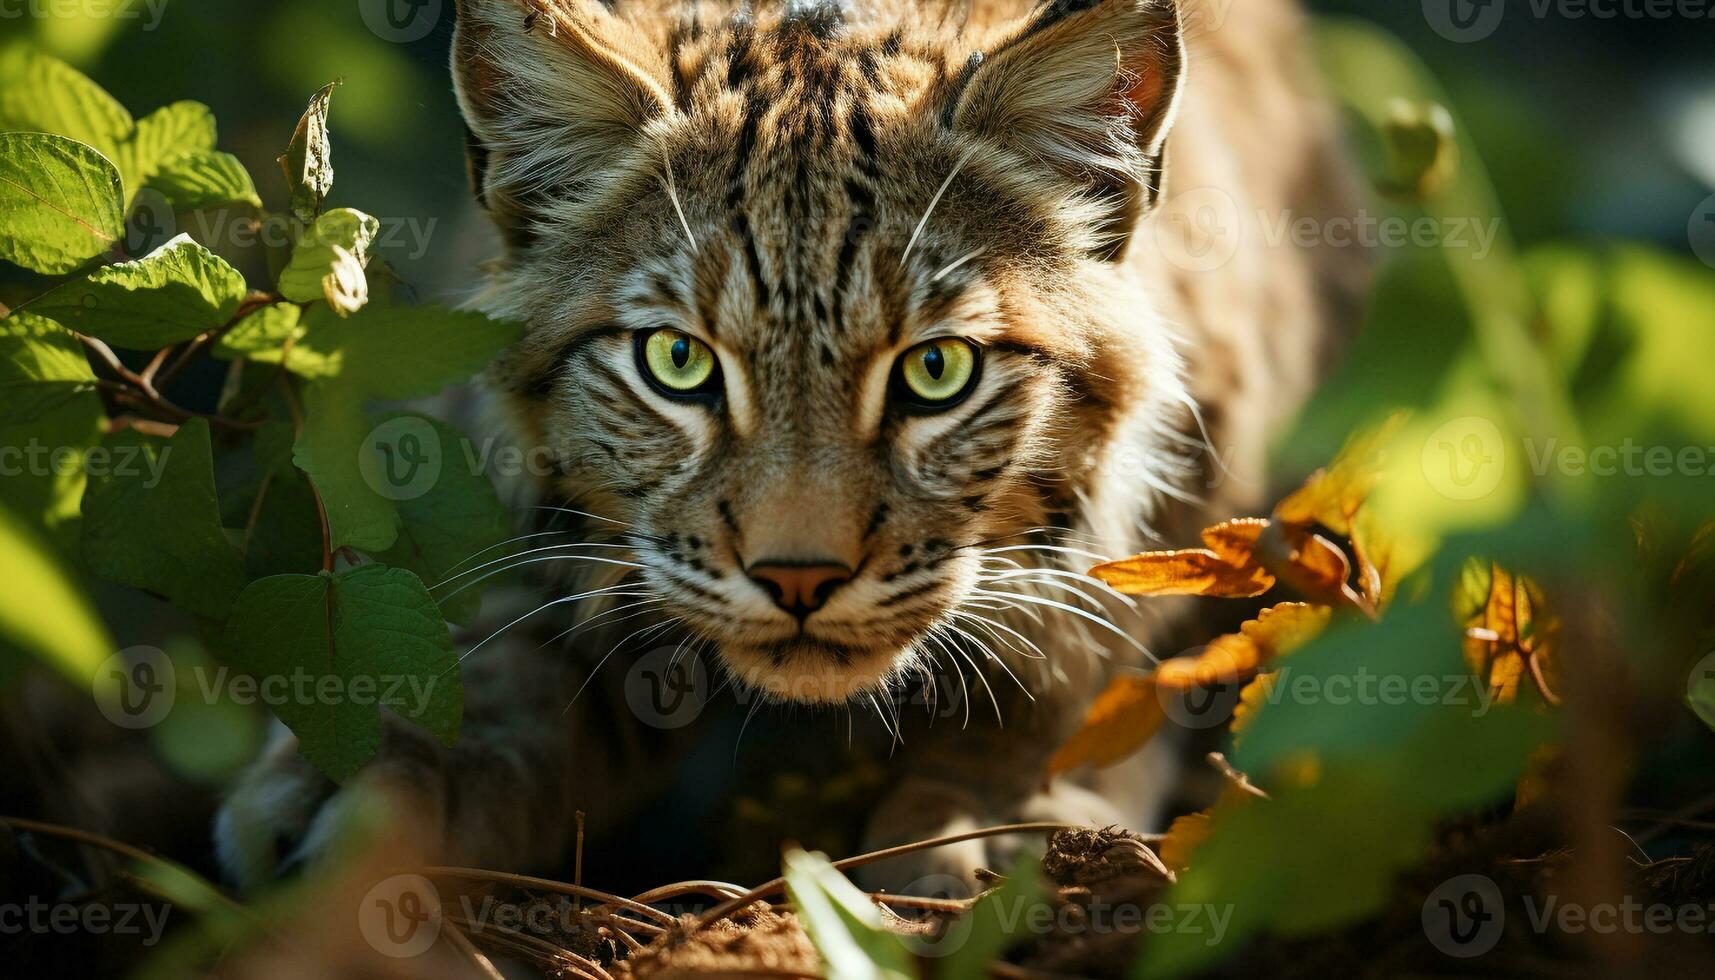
1591	128
1590	125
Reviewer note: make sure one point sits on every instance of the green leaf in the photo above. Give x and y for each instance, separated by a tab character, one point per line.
993	925
60	203
42	367
41	94
381	352
328	262
401	352
262	334
202	180
843	923
152	520
1367	738
174	293
459	515
308	161
42	611
354	641
162	137
328	450
49	417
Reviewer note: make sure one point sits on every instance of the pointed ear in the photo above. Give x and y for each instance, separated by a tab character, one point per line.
554	93
1087	88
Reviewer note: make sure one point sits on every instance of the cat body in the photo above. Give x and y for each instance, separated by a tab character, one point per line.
856	334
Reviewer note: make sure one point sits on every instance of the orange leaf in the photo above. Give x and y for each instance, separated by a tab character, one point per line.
1235	540
1506	640
1194	571
1124	716
1184	835
1277	630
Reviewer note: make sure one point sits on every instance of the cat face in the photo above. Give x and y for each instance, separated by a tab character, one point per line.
825	315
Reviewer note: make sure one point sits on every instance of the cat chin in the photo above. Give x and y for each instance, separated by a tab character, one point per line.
807	672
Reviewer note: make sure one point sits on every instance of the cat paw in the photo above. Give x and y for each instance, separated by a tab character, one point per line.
922	809
285	816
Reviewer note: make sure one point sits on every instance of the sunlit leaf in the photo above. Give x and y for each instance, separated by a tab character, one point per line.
174	293
60	205
842	922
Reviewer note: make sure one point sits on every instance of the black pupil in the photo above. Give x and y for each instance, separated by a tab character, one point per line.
681	353
934	362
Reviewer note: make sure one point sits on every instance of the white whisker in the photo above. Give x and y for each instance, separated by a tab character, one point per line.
923	221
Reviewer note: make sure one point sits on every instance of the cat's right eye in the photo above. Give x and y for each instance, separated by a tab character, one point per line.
677	364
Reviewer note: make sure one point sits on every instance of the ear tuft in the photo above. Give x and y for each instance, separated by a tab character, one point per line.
555	94
1087	89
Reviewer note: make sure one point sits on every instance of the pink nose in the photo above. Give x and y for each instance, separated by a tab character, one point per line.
800	589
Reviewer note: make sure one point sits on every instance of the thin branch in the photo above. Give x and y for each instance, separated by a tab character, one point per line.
121	848
725	909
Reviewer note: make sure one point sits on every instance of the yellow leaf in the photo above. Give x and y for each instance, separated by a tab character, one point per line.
1194	571
1124	716
1277	630
1506	638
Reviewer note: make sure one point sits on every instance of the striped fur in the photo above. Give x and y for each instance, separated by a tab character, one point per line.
811	187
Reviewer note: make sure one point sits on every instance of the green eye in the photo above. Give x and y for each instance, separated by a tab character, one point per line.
938	372
677	361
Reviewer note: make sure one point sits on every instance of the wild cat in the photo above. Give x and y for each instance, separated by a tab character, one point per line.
856	333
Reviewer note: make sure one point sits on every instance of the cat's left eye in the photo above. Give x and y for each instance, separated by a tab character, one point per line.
677	364
937	374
